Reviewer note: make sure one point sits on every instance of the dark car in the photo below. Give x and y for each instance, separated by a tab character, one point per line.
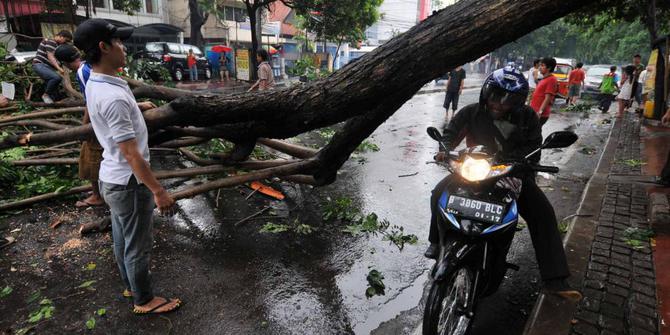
173	57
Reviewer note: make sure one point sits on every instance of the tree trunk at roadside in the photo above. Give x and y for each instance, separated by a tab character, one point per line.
364	93
197	19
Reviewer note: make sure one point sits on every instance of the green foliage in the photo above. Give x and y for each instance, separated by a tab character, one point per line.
6	291
128	6
637	237
303	229
215	145
87	284
375	284
44	311
90	323
602	41
563	227
342	21
326	133
274	228
20	75
101	312
305	67
366	146
578	108
633	162
144	69
342	209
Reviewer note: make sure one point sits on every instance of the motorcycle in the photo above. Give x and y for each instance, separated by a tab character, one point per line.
478	219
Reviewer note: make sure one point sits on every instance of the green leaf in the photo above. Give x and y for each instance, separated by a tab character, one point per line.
6	291
90	323
47	311
274	228
35	316
46	301
101	312
86	284
90	266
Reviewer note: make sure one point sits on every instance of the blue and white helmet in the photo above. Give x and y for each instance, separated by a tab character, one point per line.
508	85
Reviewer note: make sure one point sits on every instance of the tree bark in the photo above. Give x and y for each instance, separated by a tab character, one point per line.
365	92
40	114
197	20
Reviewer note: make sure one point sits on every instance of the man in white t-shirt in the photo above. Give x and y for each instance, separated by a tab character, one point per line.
533	75
127	183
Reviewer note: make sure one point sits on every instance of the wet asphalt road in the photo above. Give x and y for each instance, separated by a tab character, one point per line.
271	284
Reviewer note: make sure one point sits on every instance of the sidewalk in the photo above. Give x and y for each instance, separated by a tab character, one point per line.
615	270
472	80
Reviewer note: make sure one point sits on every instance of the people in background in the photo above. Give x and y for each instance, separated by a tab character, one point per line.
47	67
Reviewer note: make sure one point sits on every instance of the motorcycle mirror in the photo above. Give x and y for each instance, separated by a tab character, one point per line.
434	133
559	139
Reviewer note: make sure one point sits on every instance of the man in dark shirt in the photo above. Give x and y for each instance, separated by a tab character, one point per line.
454	89
47	67
506	127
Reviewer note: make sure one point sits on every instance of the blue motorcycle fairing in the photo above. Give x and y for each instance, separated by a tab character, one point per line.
511	217
442	203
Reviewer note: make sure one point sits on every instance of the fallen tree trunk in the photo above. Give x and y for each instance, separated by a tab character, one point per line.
46	161
294	150
363	93
40	114
38	123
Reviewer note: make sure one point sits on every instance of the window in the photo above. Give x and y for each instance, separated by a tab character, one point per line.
234	13
174	48
154	47
151	6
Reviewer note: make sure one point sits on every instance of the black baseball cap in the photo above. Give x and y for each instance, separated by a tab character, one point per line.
93	31
66	53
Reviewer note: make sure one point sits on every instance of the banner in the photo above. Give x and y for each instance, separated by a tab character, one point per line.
651	72
242	61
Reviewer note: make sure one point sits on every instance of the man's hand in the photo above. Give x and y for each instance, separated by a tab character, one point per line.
666	118
146	105
164	202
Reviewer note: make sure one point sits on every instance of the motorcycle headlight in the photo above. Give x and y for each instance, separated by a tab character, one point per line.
474	169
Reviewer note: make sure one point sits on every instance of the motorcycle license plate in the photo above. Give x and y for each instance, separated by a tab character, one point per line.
475	209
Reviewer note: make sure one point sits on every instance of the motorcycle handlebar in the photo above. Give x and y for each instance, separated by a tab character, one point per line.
544	168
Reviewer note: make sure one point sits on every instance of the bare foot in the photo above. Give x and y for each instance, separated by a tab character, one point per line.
157	305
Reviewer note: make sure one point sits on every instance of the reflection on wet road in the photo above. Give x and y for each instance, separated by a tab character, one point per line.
316	284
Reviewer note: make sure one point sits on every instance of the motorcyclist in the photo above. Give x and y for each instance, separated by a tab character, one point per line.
503	124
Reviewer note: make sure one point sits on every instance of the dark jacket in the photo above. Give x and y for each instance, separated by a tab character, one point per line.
513	137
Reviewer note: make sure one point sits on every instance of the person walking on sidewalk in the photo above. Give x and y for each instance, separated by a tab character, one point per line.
637	88
502	122
192	63
47	67
455	82
127	183
608	86
547	88
575	83
626	94
266	79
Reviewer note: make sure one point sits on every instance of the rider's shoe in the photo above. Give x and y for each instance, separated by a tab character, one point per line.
561	288
432	251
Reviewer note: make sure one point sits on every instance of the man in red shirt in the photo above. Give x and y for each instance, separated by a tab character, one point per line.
546	90
575	82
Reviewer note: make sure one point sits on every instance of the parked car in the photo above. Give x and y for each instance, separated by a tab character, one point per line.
173	57
594	76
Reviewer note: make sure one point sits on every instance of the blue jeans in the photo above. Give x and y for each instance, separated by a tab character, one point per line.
132	208
50	76
194	72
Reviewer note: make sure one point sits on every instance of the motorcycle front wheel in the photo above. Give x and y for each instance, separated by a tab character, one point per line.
446	302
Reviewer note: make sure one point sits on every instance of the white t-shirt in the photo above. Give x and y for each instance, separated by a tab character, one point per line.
116	118
531	81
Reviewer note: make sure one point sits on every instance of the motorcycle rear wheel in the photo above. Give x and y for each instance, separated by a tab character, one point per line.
442	315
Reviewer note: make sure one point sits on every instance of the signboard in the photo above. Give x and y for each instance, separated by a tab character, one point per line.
242	61
651	72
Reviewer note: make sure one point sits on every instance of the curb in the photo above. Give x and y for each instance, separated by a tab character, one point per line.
659	209
553	315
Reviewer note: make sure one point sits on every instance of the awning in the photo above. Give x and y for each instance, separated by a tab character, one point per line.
21	7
